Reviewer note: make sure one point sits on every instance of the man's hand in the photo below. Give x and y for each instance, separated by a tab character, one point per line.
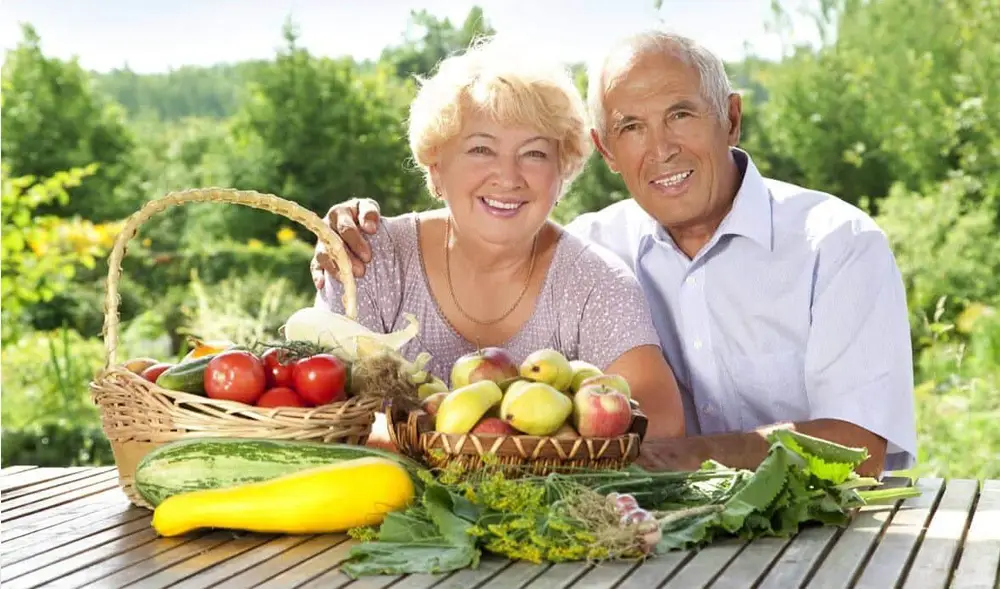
343	219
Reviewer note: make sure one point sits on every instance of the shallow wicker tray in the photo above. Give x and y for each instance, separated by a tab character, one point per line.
413	435
138	416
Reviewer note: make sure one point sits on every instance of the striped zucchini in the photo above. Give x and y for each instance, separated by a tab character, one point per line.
212	463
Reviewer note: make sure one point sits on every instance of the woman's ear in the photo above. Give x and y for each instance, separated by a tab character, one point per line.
435	175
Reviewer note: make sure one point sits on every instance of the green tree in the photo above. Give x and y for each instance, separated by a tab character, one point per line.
54	121
430	39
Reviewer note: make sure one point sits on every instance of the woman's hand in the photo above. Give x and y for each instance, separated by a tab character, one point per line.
654	387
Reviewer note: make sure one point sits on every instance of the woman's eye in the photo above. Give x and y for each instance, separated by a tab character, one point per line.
538	154
481	149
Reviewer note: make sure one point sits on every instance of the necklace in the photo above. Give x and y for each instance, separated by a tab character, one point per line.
451	287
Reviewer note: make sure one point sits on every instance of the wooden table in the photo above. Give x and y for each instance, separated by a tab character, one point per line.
73	527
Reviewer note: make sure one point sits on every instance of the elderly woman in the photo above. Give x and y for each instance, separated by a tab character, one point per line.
500	139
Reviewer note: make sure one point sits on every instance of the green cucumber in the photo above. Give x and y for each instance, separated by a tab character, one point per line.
212	463
187	377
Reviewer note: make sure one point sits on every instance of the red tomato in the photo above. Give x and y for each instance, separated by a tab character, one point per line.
280	397
279	374
235	375
153	372
320	379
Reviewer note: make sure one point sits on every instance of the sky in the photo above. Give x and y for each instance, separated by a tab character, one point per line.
157	35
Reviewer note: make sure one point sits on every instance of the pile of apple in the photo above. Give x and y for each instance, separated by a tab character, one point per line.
546	395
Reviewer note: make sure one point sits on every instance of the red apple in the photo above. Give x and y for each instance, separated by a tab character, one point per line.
494	425
601	411
494	364
153	372
430	404
614	381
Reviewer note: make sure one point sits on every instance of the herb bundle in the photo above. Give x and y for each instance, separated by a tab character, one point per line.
578	516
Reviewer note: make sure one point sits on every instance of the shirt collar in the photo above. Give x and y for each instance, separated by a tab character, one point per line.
750	215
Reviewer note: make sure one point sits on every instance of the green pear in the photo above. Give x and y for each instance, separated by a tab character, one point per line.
536	408
581	372
435	385
462	408
548	366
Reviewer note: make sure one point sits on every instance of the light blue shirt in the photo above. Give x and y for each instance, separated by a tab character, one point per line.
795	310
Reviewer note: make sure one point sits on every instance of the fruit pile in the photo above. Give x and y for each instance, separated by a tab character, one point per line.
275	377
546	395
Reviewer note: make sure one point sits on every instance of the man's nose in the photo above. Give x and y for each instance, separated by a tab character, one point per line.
662	144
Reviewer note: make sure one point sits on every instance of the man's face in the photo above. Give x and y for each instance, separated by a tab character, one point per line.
669	145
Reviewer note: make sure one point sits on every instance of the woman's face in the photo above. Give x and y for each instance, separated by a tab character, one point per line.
500	182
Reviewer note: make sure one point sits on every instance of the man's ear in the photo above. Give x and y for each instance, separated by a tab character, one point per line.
608	158
735	116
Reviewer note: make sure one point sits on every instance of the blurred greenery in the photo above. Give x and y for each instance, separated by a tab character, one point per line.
895	119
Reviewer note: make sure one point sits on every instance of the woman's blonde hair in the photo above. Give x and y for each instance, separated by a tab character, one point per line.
508	86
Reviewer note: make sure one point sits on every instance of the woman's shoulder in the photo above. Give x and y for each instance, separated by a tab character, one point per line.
579	259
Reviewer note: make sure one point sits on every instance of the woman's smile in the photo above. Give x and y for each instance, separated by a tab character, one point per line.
499	207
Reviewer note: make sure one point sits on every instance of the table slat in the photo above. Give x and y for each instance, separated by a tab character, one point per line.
241	562
933	564
283	561
979	565
29	546
71	493
888	563
751	563
489	566
559	576
10	485
657	570
604	575
204	556
47	484
706	564
319	566
80	507
10	471
847	556
805	551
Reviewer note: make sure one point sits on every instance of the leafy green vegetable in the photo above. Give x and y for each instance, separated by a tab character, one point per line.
566	516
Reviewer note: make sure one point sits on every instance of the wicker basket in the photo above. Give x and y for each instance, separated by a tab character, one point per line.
413	435
138	416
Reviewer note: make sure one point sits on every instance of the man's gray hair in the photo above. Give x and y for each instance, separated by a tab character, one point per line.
715	85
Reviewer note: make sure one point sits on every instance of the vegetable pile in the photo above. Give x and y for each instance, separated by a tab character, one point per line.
622	514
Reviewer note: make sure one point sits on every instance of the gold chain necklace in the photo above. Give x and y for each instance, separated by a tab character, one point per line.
451	287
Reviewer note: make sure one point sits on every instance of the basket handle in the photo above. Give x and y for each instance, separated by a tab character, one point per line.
248	198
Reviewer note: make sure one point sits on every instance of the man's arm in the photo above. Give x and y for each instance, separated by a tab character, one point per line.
748	449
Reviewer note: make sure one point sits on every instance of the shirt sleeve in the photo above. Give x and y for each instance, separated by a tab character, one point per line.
615	316
379	291
859	363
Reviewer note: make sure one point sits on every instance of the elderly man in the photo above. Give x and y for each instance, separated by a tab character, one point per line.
776	305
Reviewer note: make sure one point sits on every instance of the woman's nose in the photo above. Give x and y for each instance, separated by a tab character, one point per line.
507	174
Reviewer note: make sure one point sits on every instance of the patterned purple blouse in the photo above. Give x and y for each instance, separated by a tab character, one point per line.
590	307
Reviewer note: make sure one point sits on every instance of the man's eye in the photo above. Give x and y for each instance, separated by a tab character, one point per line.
683	114
629	127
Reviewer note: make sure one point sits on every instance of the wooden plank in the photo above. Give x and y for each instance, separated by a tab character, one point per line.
313	568
60	499
888	563
82	507
59	490
165	552
490	565
707	563
657	570
237	564
204	559
516	575
806	551
296	554
111	560
751	563
604	575
28	546
31	477
559	576
61	477
853	545
373	582
80	545
979	565
10	471
934	561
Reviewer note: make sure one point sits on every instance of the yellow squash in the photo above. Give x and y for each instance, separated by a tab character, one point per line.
324	499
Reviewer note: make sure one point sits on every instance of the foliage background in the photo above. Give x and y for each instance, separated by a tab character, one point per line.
894	119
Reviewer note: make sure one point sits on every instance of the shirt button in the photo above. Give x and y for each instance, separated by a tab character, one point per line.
690	280
697	344
707	409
